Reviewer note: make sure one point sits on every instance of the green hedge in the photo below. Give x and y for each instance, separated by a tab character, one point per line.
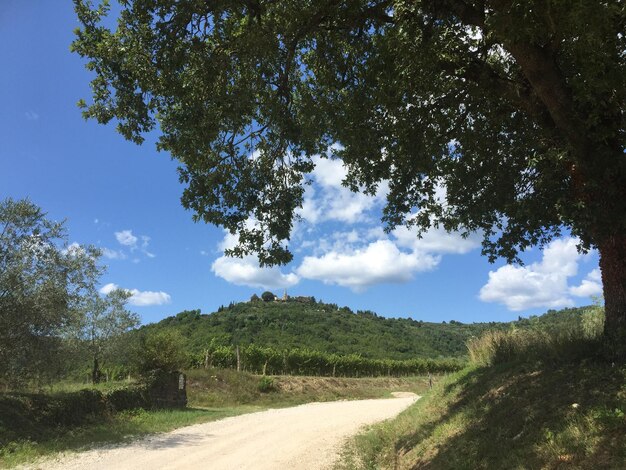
24	415
128	398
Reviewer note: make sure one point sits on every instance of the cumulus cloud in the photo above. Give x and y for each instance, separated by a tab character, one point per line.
126	238
365	256
360	256
329	200
147	298
590	286
247	272
541	284
113	254
140	298
108	288
379	262
435	241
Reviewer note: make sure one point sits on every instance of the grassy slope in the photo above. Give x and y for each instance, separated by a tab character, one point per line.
324	327
212	394
222	387
515	416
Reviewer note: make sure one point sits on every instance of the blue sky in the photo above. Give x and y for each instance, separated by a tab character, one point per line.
124	199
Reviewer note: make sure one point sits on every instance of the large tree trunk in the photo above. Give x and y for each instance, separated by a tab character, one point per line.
613	267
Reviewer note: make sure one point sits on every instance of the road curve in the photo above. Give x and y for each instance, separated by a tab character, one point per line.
303	437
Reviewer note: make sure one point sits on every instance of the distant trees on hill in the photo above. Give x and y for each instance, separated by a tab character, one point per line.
267	296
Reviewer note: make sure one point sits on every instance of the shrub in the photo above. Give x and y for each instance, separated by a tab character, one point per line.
66	409
164	350
70	409
129	398
593	322
24	415
266	385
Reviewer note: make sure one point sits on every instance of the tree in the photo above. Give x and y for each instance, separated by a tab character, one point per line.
104	321
163	351
42	283
267	296
491	116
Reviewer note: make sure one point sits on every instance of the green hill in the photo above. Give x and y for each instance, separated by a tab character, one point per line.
304	323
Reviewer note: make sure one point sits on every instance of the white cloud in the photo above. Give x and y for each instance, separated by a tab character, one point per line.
108	288
113	254
140	298
311	209
126	238
147	298
379	262
74	249
328	172
541	284
435	240
590	286
247	272
358	257
144	247
329	200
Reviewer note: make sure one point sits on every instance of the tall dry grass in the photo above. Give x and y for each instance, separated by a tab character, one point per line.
532	344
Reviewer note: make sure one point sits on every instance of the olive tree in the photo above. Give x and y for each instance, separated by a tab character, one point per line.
43	281
514	111
102	325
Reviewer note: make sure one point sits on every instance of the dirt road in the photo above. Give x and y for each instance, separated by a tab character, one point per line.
304	437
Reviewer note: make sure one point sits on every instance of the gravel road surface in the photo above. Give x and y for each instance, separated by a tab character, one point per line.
300	438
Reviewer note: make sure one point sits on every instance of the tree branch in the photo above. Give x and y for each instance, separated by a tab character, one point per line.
541	71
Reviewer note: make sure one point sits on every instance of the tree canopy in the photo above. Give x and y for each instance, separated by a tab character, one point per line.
42	283
492	116
267	296
103	321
